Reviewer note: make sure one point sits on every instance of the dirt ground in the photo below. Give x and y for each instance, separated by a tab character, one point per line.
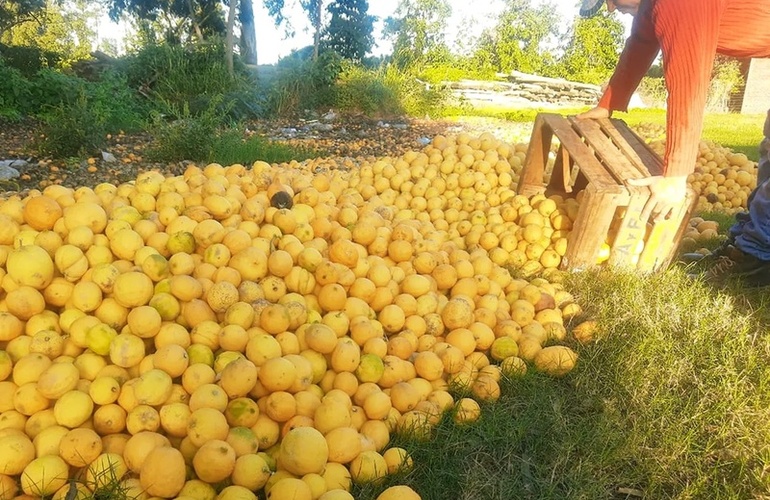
346	138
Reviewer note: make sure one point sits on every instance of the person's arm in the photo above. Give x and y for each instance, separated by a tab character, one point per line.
640	50
638	54
688	33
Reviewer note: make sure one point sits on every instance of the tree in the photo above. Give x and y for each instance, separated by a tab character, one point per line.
517	41
176	20
248	40
65	29
349	32
230	35
417	31
314	8
592	51
14	12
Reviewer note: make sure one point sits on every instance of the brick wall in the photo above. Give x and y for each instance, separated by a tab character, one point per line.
756	95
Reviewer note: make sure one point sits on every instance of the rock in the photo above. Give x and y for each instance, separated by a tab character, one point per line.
423	141
18	163
400	126
8	172
330	116
109	157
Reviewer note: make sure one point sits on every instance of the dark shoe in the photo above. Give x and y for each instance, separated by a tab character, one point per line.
698	262
715	254
736	264
723	249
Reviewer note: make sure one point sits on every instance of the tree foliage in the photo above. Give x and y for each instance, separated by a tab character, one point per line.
417	31
349	32
13	12
517	41
592	50
65	29
174	21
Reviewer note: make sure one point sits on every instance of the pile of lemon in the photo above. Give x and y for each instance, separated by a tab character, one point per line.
235	330
722	178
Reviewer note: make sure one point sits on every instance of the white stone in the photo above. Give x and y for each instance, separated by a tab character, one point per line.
7	172
109	157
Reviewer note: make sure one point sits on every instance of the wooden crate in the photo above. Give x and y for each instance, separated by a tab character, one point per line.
597	157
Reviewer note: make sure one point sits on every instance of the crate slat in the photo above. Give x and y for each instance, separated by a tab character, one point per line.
631	230
589	165
616	162
597	158
648	160
596	212
562	169
533	170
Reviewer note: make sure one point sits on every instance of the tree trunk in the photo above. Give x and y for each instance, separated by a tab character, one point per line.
196	24
229	39
248	33
317	25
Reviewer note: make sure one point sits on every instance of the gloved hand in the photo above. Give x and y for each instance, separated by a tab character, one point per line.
665	194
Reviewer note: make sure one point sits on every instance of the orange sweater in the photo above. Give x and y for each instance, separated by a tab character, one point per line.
689	33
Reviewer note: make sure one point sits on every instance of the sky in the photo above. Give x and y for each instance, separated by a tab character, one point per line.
271	44
468	19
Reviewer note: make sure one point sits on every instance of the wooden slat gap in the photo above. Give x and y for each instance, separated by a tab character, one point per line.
613	128
581	154
615	162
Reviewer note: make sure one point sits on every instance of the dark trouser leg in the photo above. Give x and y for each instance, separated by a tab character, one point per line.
751	230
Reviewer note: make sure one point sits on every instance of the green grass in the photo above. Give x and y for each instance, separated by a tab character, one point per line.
231	148
741	133
671	402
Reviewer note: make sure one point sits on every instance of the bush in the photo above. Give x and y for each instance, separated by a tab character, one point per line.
14	93
726	78
112	99
28	60
653	92
362	90
78	114
453	73
301	84
386	91
51	89
181	135
416	98
76	129
192	76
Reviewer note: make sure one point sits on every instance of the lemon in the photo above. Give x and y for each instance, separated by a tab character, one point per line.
504	347
370	369
73	409
199	353
99	338
181	242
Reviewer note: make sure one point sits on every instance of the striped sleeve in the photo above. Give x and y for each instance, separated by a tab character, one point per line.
688	32
637	56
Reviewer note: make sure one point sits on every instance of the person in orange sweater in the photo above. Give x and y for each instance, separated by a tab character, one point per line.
689	34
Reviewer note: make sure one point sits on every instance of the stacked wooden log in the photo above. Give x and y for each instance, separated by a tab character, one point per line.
521	88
